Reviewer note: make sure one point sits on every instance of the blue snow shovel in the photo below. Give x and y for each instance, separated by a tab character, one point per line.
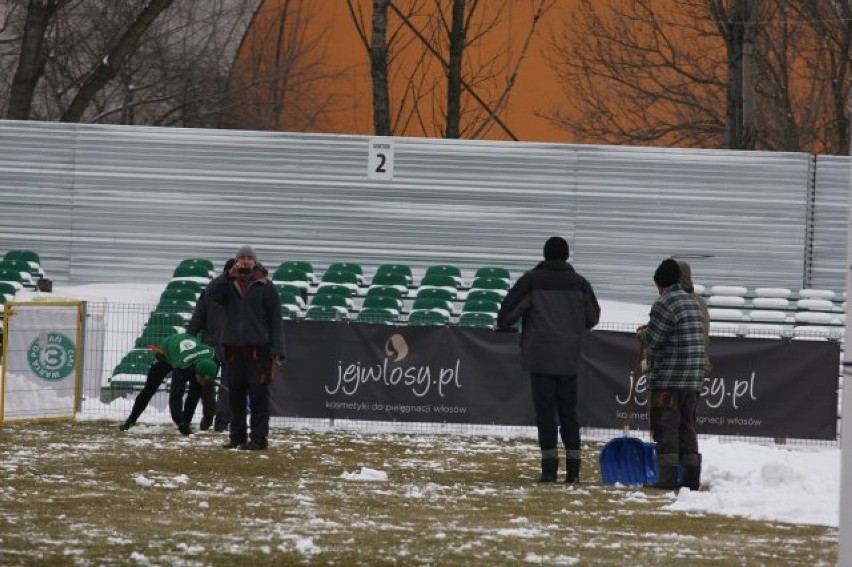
629	460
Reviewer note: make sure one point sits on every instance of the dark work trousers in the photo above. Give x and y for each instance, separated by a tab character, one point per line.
156	374
215	402
555	396
248	373
183	381
672	416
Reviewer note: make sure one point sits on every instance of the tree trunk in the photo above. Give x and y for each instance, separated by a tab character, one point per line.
747	136
379	68
454	70
111	64
31	62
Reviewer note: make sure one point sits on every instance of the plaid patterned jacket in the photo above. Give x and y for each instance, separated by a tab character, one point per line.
675	338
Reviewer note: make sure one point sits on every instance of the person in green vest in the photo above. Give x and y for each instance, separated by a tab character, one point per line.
191	362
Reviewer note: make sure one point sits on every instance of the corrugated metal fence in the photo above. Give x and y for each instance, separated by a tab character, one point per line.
112	204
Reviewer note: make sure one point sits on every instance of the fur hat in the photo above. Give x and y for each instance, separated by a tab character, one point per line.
555	249
685	276
207	367
245	250
667	274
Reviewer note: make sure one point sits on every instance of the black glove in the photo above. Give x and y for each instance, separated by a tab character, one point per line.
228	265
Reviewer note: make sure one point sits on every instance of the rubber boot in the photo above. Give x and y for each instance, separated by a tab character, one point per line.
692	471
667	471
572	465
549	469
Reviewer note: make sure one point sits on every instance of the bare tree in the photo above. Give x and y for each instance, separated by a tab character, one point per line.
427	45
284	91
645	72
31	60
112	62
94	59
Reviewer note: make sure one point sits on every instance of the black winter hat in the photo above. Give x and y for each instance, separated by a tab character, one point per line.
555	249
668	273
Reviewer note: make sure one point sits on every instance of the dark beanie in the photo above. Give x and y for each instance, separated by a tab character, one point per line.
555	249
667	274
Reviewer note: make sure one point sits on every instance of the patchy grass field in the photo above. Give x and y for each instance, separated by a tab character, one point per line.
87	494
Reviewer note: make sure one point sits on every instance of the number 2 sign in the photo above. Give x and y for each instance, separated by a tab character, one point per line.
380	162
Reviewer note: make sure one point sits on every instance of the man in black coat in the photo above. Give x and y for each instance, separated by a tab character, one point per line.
207	321
253	341
557	308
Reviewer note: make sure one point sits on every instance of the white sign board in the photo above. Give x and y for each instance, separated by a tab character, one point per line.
380	161
41	361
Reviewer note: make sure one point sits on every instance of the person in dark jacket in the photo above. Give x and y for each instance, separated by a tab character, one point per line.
190	361
253	343
674	338
557	308
207	321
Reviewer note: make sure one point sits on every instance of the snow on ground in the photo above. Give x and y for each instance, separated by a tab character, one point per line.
789	484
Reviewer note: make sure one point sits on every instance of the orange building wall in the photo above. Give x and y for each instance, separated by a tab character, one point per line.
536	88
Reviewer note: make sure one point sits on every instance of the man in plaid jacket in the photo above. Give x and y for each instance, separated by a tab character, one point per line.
674	339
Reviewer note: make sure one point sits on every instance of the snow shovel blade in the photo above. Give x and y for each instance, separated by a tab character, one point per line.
628	460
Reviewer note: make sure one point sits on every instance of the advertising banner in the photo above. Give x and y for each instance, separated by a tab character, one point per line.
381	372
758	387
41	360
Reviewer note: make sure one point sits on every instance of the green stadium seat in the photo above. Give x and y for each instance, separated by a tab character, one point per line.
395	269
185	294
346	291
480	306
161	318
30	257
492	272
435	292
389	291
135	362
302	266
340	277
291	299
356	269
12	277
387	302
445	270
8	290
294	290
499	285
290	311
428	318
206	262
325	313
477	319
196	287
484	295
179	306
192	272
23	268
26	255
377	316
440	281
432	304
331	300
292	276
392	280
